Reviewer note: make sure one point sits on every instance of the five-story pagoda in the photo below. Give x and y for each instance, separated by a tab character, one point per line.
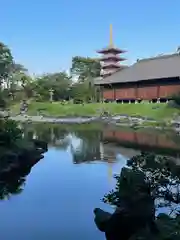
110	58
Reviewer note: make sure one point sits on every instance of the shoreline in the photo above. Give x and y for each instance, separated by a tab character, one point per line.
119	120
41	119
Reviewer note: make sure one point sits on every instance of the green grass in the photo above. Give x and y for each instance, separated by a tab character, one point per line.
159	111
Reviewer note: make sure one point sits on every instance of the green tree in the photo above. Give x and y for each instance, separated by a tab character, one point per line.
27	85
60	83
6	61
163	176
18	81
81	91
17	67
85	67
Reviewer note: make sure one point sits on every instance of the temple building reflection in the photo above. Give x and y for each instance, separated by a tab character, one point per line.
104	144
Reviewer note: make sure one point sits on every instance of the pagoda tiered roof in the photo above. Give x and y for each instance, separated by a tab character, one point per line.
110	65
110	56
111	49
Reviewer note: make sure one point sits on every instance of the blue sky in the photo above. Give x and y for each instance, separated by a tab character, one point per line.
44	35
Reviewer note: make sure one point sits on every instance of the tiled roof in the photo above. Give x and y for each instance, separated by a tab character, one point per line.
164	66
111	49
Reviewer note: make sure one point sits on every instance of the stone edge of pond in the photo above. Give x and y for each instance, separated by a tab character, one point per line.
135	122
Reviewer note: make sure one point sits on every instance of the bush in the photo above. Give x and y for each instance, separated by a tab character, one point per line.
9	132
176	99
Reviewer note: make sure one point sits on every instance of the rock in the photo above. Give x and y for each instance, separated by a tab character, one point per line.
101	218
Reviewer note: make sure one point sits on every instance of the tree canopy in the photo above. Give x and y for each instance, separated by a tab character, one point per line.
85	67
19	84
6	61
163	176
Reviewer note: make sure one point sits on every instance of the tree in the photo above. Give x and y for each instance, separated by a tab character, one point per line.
18	68
81	91
27	85
17	80
6	61
85	69
60	83
163	176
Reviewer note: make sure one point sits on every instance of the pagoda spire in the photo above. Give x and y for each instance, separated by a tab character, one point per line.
110	57
111	44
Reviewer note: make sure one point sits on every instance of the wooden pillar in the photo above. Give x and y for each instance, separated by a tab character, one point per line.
158	92
136	91
114	93
101	94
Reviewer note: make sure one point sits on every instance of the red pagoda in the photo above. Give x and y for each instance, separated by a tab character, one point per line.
110	59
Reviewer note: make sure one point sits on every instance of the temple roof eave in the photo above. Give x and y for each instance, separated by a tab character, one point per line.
112	58
111	49
164	67
111	67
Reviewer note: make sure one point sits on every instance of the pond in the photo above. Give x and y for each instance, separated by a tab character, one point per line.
60	192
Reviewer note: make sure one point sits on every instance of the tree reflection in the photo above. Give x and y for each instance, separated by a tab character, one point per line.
89	148
52	134
61	137
12	182
11	186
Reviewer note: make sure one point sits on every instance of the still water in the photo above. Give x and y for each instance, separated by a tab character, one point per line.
61	191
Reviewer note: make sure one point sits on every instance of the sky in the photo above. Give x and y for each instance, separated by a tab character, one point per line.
45	35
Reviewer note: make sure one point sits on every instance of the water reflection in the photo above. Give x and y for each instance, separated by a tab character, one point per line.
96	142
12	180
89	143
149	140
79	157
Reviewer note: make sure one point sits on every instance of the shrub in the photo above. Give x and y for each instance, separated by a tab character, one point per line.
176	98
9	132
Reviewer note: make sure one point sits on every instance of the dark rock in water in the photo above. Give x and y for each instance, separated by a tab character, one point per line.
135	211
101	218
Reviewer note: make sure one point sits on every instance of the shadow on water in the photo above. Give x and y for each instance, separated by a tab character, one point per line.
78	154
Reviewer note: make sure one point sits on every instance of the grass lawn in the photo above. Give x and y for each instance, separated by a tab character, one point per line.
157	111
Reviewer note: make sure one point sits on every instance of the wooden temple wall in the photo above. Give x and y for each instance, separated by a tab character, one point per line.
109	94
169	90
147	93
125	93
149	139
142	92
